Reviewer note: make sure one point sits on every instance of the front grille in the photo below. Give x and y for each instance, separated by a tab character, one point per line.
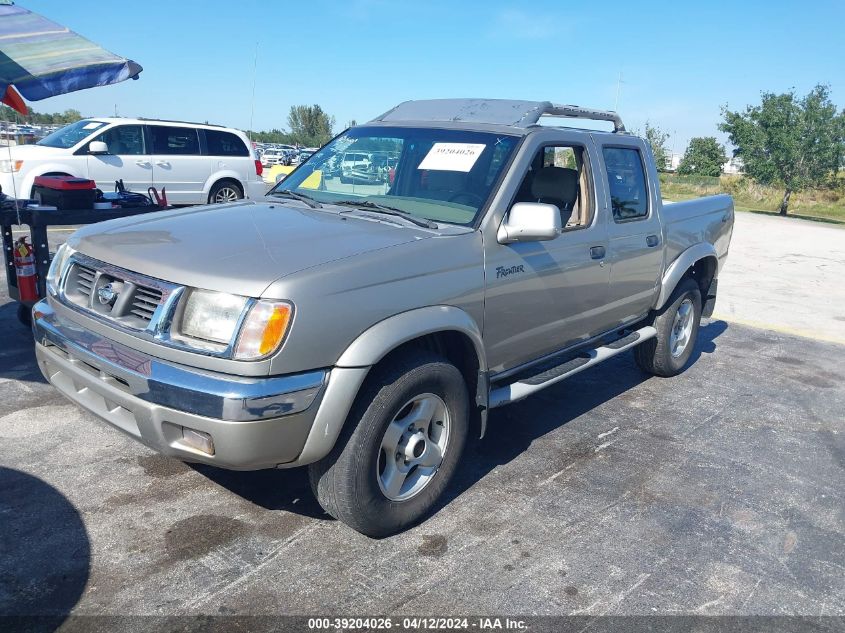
145	302
119	295
85	278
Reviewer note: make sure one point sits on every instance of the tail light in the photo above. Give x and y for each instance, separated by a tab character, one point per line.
259	168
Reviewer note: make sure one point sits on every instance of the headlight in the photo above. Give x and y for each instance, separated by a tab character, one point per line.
8	166
57	266
263	329
212	316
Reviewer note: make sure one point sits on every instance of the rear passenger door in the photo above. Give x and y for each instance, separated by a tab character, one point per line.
635	236
178	163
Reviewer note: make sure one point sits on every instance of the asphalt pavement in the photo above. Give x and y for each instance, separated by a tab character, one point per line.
717	492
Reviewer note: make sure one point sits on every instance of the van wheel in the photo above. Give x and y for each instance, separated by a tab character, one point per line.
225	191
400	446
677	330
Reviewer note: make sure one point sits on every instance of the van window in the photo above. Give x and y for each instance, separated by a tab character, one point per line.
124	140
174	140
224	144
627	183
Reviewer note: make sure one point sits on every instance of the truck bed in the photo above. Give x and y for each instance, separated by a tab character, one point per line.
707	219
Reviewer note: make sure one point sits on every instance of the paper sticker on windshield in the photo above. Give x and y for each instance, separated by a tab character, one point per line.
92	125
452	156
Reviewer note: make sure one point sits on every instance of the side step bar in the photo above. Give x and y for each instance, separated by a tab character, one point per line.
524	387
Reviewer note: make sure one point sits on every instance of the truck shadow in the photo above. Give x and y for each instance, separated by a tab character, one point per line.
286	490
569	399
46	554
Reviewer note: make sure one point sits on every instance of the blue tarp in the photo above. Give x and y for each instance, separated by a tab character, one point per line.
42	59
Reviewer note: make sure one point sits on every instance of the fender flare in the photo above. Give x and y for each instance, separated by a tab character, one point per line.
375	343
350	371
680	266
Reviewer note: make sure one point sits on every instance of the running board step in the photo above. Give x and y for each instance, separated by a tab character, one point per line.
524	387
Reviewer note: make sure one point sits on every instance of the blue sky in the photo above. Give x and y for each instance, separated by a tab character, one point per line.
680	61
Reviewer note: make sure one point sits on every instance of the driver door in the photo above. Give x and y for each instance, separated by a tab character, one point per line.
127	160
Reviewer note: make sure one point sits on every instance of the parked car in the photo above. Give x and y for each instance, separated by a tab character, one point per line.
365	332
273	156
357	166
196	163
305	154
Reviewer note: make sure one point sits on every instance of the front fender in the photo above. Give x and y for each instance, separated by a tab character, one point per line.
369	348
385	336
680	266
28	181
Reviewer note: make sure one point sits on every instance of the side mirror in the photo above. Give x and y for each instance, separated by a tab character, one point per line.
530	222
98	147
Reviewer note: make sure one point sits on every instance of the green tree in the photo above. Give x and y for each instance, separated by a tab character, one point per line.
703	157
310	125
656	139
789	141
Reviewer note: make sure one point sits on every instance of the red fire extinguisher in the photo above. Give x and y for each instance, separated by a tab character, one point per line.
25	271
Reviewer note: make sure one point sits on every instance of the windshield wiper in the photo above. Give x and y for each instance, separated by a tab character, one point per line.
311	202
380	208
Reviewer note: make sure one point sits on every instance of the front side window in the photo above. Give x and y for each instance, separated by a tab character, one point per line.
433	174
124	140
559	175
70	135
627	183
224	144
174	140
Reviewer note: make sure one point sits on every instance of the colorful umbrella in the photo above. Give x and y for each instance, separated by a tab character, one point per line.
40	59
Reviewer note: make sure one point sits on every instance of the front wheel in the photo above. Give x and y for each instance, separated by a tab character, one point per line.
225	191
400	447
677	330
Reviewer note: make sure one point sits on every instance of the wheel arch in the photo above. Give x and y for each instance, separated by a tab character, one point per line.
223	176
446	330
699	262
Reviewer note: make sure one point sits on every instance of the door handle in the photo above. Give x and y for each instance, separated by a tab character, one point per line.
162	163
597	252
725	217
652	240
142	163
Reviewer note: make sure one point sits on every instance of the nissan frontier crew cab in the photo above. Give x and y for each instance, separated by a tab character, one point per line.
363	328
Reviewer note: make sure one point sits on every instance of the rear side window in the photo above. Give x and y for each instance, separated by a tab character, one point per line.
627	184
225	144
174	140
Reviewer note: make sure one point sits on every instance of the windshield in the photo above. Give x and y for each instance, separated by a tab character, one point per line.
432	174
70	135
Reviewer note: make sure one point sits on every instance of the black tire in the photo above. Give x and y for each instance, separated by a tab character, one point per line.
25	314
228	188
655	355
346	482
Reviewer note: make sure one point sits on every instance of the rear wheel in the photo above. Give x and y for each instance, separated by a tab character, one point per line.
225	191
677	330
401	445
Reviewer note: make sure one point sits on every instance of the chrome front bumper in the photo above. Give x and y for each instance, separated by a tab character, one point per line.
254	422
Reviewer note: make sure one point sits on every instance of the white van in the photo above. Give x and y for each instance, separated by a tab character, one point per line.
195	163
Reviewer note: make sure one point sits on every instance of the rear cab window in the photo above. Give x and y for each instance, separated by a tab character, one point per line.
626	183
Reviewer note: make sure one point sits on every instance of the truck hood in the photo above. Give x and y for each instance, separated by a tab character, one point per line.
239	248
